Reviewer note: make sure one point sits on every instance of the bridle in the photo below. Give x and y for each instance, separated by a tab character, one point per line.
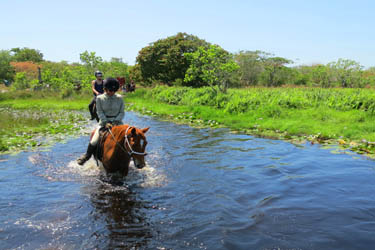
130	152
127	142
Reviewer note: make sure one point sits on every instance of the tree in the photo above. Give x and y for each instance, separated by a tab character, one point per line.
211	66
347	72
164	60
29	68
275	72
135	74
6	69
26	54
251	66
321	75
114	69
90	59
368	76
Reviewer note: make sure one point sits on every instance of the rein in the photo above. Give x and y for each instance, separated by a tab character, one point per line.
126	142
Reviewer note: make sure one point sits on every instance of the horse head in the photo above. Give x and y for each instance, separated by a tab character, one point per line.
135	144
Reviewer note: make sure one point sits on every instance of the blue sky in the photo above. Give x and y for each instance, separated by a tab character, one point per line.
304	31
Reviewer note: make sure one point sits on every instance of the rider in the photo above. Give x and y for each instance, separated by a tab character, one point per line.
110	109
97	89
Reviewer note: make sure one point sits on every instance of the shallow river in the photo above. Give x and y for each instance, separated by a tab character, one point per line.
202	189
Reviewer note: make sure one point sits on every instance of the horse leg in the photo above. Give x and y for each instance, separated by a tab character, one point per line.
92	109
125	170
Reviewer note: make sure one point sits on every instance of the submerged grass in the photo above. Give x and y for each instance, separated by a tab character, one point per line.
28	121
24	129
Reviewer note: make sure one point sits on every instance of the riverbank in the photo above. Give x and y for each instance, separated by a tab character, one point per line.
334	123
33	121
335	116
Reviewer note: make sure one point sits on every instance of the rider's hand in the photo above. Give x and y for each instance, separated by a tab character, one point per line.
108	125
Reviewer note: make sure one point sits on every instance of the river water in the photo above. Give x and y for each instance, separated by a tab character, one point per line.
202	189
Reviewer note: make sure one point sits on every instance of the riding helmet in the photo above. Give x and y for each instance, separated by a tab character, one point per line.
111	84
98	73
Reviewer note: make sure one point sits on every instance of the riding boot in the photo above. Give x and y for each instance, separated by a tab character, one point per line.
87	156
92	114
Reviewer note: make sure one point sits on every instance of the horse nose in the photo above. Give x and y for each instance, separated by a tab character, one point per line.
140	166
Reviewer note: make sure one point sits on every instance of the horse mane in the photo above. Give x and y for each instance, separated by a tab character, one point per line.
119	132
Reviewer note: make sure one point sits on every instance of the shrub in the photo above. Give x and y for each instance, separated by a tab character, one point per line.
20	81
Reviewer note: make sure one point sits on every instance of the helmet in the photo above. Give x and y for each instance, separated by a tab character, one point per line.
111	84
98	73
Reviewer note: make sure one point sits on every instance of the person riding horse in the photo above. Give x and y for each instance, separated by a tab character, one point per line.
110	109
97	89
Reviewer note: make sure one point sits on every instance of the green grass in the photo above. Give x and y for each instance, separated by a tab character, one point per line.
330	116
47	103
29	120
344	116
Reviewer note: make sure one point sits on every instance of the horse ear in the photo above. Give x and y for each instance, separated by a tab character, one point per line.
144	130
134	132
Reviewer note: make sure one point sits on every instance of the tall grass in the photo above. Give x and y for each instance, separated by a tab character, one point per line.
315	112
242	100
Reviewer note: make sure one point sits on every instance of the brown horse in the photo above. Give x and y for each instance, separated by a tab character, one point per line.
121	145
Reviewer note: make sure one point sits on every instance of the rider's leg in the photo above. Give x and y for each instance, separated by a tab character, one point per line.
90	149
87	156
91	108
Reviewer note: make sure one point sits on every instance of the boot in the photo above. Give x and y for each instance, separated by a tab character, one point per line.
87	156
92	115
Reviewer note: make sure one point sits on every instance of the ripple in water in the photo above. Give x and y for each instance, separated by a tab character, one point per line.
201	189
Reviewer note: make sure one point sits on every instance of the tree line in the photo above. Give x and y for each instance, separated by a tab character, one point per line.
181	60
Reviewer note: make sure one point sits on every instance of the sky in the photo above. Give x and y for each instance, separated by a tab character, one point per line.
304	31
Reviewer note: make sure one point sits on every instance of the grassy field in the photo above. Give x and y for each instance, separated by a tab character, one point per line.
339	116
30	120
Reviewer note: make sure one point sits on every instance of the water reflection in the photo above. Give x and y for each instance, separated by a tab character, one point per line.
121	213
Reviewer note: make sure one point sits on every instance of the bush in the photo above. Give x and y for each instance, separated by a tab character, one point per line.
20	81
66	93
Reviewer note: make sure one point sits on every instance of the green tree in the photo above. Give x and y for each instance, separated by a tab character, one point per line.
275	72
114	69
90	60
20	81
347	72
6	70
135	74
26	54
321	75
211	66
164	60
251	66
368	76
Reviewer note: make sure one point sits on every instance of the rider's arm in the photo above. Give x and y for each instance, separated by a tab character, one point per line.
99	110
121	113
93	88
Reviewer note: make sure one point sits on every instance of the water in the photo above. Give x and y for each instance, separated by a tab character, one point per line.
202	189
